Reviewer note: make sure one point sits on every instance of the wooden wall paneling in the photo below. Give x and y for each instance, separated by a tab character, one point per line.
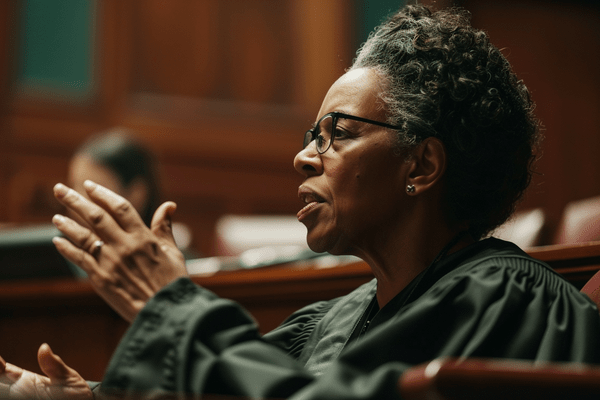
236	138
7	26
6	170
206	192
193	131
84	337
201	216
224	89
67	315
323	32
176	48
259	51
114	59
43	135
241	166
232	182
8	23
30	188
245	51
233	49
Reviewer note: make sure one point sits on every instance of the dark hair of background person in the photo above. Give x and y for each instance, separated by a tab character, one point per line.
129	160
445	79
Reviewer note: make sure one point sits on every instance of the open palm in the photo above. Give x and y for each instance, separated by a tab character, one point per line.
61	382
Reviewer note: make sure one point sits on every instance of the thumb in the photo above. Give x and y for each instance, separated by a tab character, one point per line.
161	221
53	366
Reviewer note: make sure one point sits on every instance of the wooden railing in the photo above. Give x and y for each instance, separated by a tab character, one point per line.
489	379
576	262
81	328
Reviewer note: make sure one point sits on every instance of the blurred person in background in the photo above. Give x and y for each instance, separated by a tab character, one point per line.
118	161
124	164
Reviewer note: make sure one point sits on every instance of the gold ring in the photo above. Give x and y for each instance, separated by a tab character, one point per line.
96	247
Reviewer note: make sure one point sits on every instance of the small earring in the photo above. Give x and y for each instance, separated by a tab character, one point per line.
410	189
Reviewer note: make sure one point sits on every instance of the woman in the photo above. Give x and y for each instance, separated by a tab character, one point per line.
417	153
114	159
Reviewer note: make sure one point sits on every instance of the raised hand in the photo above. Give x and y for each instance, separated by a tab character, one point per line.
127	263
60	382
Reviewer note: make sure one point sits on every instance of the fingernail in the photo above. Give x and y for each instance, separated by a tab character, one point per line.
58	240
89	185
60	189
58	219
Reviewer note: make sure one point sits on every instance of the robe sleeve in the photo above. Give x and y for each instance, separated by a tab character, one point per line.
294	332
188	340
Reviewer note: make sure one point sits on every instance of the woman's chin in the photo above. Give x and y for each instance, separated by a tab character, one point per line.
316	247
325	244
317	243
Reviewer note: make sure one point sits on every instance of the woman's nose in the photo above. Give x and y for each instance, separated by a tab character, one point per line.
308	161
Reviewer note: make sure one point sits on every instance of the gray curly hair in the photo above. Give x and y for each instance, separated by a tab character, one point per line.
445	79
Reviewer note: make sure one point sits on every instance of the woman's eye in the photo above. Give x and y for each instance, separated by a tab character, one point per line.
340	133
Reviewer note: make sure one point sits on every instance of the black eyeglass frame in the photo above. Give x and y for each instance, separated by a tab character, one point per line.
312	134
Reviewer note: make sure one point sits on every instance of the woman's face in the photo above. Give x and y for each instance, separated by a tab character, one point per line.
353	191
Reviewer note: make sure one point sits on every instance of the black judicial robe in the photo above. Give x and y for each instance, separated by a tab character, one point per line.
488	300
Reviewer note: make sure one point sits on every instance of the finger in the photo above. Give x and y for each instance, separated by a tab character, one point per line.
11	373
80	236
74	254
95	216
82	248
53	366
119	285
85	250
161	224
117	276
119	207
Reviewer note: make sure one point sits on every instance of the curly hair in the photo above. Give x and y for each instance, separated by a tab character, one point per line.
444	79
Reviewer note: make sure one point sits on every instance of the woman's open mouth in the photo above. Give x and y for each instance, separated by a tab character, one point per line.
311	200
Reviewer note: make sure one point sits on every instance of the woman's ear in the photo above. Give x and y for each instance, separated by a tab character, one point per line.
428	164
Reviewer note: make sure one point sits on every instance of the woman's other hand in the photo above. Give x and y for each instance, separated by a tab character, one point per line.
60	382
127	263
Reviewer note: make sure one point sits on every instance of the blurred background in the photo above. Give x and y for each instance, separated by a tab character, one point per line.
222	91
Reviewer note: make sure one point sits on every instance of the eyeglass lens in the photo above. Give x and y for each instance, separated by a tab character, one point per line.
322	133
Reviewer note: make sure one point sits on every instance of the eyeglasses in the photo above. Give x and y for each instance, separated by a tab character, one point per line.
324	132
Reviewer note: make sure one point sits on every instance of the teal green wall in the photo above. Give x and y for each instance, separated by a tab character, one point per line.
371	13
56	46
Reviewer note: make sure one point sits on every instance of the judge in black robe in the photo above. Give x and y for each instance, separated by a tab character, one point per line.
418	152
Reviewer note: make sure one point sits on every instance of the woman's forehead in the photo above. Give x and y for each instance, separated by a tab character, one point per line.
356	93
